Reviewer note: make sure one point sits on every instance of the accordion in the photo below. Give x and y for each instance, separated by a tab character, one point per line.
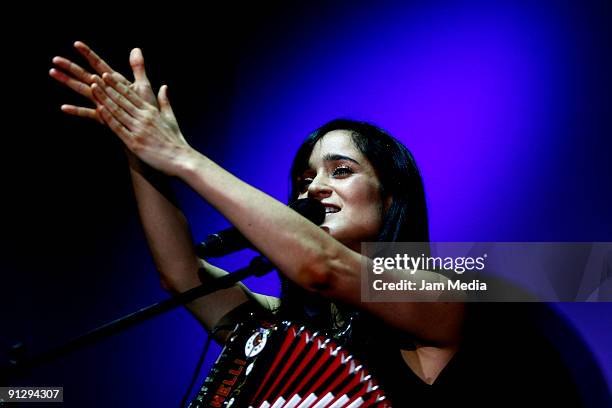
281	364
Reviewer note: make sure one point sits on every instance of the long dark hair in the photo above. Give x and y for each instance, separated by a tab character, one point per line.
404	221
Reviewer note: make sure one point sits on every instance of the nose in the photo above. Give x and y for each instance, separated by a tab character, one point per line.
319	188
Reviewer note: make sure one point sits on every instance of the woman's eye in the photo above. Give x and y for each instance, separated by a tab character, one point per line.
342	171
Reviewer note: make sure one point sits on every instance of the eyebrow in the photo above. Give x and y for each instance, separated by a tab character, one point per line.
334	157
337	157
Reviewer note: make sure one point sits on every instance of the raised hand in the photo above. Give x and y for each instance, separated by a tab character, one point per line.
78	79
149	132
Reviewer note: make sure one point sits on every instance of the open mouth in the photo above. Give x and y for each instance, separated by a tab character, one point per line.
331	209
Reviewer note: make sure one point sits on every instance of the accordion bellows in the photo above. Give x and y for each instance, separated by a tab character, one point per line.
280	364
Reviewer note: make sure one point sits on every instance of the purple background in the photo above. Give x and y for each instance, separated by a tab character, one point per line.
506	107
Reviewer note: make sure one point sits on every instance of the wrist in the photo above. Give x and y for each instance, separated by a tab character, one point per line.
188	163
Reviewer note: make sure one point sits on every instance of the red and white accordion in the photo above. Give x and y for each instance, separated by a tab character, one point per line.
280	364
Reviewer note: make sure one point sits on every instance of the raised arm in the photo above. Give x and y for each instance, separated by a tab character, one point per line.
301	250
165	226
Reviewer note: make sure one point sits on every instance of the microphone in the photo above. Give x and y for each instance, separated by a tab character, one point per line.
231	240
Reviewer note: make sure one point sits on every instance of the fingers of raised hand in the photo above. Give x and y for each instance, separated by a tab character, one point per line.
82	112
164	104
69	66
97	80
142	84
138	67
97	63
117	97
118	106
125	90
115	125
76	85
120	78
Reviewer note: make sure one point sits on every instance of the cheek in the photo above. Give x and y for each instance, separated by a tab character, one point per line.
364	200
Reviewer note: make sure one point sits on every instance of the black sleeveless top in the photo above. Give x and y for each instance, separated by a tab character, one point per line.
502	361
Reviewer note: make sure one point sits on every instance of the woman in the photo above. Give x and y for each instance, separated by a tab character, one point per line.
371	189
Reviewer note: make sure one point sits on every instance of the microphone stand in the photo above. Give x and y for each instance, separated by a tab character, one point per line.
19	362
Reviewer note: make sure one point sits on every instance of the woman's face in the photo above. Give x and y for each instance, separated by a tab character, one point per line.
343	180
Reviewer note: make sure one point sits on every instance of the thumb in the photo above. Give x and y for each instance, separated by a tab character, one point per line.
138	67
164	103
